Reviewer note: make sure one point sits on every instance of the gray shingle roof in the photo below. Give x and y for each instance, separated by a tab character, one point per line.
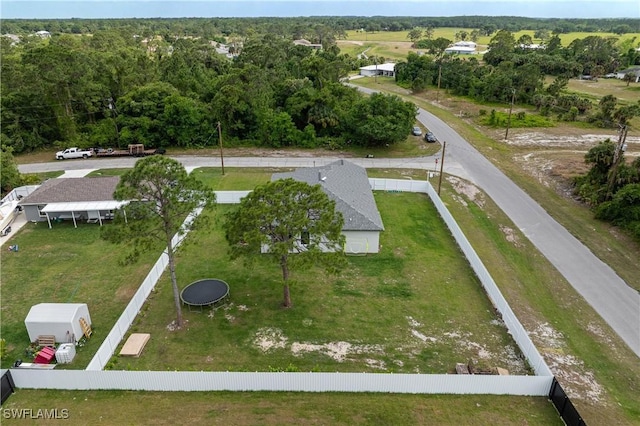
348	185
62	190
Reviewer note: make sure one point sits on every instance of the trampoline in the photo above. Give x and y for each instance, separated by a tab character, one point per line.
206	292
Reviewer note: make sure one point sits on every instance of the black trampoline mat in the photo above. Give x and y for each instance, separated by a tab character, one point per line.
204	292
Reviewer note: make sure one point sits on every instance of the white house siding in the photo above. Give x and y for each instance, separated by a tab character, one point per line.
367	73
362	242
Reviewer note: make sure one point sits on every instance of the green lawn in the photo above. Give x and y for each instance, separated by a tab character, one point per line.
406	309
65	265
279	408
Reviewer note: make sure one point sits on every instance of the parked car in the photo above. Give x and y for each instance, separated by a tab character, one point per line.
430	137
417	131
74	153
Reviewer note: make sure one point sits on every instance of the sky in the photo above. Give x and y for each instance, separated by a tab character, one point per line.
43	9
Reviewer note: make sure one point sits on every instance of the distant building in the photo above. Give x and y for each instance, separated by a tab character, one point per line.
43	34
15	39
633	71
465	44
461	50
307	43
533	46
385	70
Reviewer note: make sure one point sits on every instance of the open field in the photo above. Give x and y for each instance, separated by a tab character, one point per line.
406	309
483	41
278	408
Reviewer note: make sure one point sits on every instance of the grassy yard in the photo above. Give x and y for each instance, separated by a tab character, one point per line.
65	265
542	299
406	309
278	408
590	360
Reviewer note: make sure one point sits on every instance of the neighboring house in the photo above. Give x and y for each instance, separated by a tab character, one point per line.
222	49
15	39
348	185
89	199
385	70
461	50
532	46
463	43
43	34
634	71
307	43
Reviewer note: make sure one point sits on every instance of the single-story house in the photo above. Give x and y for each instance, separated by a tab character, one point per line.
464	43
634	71
385	70
15	39
532	46
461	50
307	43
43	34
348	185
87	198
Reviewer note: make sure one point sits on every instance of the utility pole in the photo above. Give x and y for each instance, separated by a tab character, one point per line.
220	143
113	109
375	76
513	98
439	78
444	147
617	158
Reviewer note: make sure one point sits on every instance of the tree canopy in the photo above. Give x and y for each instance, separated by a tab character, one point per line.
161	195
292	223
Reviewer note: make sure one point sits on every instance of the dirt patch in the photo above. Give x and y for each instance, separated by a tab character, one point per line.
173	326
571	372
561	138
269	338
467	189
125	293
511	235
339	351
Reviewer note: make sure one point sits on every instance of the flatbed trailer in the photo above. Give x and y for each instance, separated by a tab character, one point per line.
134	150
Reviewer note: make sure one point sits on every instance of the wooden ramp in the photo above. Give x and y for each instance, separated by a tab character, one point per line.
135	344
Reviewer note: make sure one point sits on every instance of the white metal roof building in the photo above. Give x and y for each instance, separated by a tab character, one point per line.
462	50
385	70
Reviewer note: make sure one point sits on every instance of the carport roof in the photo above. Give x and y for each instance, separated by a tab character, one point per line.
82	206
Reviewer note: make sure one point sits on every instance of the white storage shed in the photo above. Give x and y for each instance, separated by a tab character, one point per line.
57	319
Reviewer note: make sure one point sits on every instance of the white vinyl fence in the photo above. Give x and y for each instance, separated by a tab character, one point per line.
95	378
19	193
499	302
291	382
121	327
230	197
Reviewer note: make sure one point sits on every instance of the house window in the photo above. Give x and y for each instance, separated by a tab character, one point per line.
304	238
40	211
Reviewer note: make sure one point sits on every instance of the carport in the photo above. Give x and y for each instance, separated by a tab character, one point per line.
94	211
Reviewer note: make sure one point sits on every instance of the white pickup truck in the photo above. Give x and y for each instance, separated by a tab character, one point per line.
73	153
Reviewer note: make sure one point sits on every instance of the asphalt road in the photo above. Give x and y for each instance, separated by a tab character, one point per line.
616	302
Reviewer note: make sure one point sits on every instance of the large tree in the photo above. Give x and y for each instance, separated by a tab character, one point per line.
10	175
291	222
161	195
